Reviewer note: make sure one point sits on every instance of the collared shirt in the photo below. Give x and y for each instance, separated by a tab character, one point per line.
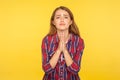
75	46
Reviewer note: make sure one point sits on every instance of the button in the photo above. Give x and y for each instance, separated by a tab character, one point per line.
61	72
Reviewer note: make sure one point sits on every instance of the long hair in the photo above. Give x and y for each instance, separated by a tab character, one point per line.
72	28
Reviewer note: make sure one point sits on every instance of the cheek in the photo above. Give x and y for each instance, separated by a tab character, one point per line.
56	22
68	23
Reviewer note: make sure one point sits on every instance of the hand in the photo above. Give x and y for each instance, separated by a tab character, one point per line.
62	44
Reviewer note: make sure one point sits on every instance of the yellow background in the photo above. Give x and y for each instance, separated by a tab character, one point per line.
24	23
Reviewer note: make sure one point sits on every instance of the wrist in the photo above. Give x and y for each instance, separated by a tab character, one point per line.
58	51
65	50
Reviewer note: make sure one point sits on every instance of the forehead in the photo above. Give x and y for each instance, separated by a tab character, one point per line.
60	11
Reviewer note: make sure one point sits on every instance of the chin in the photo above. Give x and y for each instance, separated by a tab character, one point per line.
62	29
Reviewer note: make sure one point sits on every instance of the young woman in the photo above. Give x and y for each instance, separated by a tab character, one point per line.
62	47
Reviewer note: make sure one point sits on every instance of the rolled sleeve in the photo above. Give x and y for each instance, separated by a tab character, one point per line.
47	68
74	68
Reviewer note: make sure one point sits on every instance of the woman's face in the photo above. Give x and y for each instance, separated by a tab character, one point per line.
62	20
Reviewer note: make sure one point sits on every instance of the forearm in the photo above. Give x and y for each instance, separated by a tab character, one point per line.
68	58
54	59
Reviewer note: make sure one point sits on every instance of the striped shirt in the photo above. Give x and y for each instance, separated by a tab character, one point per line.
75	46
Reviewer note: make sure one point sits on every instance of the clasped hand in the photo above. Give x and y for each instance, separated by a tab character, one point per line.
62	43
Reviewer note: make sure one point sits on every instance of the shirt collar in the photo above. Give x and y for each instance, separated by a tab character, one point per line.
56	39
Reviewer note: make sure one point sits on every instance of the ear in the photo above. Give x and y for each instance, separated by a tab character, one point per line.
53	22
71	22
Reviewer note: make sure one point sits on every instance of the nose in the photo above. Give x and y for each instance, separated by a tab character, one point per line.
61	19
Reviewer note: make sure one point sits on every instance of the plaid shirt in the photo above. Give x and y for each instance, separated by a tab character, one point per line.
61	71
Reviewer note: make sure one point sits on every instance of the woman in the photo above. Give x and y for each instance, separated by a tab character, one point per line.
62	47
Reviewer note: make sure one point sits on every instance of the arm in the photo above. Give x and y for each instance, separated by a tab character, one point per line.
74	64
45	57
68	58
54	59
47	63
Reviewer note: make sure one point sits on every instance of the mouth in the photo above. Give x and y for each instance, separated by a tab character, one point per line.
62	24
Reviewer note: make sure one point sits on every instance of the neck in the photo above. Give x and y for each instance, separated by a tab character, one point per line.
65	33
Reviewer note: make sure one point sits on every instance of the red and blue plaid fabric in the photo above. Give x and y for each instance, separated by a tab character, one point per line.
61	71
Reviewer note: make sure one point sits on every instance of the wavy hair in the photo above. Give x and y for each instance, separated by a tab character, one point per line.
72	28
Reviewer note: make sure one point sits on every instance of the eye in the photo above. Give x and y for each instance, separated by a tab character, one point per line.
57	17
66	17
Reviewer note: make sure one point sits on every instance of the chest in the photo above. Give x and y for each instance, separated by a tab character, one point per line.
71	47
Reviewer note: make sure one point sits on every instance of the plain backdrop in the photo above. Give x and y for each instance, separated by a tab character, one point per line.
24	23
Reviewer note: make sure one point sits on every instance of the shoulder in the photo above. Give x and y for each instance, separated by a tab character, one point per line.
77	38
48	38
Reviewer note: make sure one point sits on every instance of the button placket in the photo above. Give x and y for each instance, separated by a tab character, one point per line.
61	73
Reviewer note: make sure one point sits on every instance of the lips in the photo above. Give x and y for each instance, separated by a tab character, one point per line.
62	24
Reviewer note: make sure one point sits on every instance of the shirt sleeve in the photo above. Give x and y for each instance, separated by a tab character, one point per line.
45	58
75	66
